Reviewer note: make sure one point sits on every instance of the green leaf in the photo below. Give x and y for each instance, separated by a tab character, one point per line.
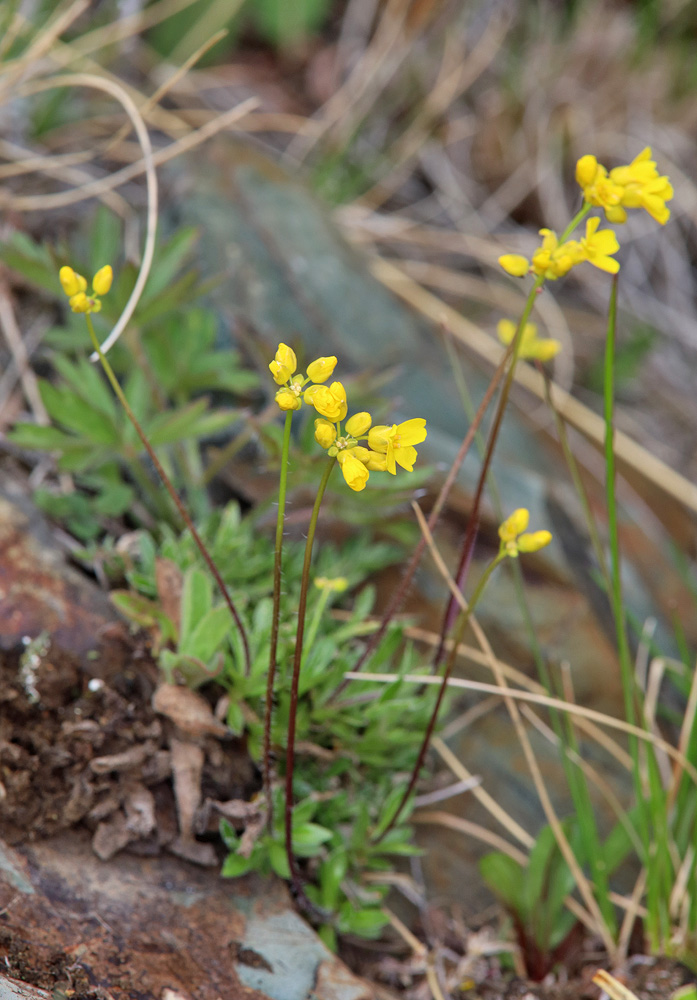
366	923
175	425
235	865
38	438
331	874
169	259
196	599
279	859
390	808
308	838
504	876
66	408
105	238
208	635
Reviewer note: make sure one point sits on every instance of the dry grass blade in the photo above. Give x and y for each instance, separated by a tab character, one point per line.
539	699
571	410
613	987
30	60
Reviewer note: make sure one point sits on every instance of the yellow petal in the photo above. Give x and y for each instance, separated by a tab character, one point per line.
325	432
103	279
321	369
514	524
358	424
533	541
411	432
72	283
515	264
586	170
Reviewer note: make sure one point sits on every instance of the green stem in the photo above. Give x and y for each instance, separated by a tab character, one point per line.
276	614
579	217
297	660
617	601
184	514
401	591
473	521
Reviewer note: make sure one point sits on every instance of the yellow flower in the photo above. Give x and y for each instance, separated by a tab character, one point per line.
636	185
532	541
597	247
554	259
325	432
397	442
643	187
358	424
75	287
283	366
71	281
103	279
287	399
515	264
532	347
514	537
376	462
329	401
514	524
599	189
354	471
321	369
551	260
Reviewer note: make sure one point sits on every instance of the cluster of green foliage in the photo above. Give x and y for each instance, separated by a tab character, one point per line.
171	368
186	392
355	743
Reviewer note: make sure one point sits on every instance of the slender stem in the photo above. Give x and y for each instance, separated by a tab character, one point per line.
458	636
579	217
184	514
401	591
617	602
473	522
297	660
276	615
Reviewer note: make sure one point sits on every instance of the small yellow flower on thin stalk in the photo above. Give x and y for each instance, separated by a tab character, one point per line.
283	369
636	185
532	347
75	287
397	442
515	538
552	259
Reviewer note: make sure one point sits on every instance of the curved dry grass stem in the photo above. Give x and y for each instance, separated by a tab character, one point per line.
126	102
538	699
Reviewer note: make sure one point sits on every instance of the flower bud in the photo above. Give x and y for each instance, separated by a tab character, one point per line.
533	541
325	432
102	280
283	366
358	424
287	400
514	524
71	282
321	369
515	264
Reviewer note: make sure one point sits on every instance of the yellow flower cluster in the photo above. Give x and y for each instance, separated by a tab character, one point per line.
553	259
75	287
387	447
515	538
532	347
290	395
636	185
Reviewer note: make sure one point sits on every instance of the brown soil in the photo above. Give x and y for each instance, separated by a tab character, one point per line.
74	749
